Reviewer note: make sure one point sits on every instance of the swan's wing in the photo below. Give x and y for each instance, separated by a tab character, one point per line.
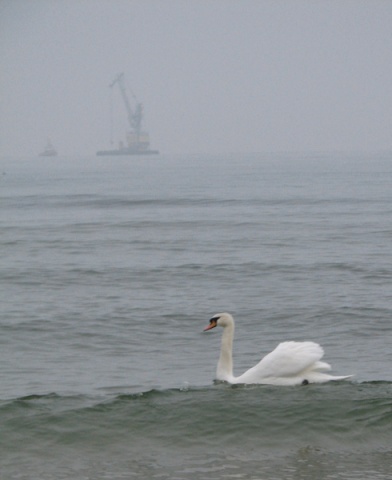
287	360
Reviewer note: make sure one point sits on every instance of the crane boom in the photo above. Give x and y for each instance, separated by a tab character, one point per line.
134	117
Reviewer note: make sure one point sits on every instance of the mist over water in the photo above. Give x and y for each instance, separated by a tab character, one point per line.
213	77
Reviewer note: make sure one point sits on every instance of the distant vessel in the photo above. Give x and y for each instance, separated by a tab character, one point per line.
137	141
49	151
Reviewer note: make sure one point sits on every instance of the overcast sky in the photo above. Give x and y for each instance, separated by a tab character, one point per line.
214	76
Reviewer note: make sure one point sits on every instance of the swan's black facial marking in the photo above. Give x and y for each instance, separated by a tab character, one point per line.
213	323
305	382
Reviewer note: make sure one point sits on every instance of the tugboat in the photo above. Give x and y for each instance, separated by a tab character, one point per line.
49	151
137	141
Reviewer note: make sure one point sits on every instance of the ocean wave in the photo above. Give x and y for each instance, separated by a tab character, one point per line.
105	201
335	416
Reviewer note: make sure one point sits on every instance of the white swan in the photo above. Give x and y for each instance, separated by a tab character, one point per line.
291	363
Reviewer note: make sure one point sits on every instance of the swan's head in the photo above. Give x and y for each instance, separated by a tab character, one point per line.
221	319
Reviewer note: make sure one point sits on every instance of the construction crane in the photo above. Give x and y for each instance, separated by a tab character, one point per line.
137	141
134	117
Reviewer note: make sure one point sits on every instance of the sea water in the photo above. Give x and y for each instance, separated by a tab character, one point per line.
112	266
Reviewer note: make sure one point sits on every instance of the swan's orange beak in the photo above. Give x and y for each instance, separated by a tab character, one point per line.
213	324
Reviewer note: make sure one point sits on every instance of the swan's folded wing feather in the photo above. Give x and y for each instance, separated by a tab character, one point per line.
287	360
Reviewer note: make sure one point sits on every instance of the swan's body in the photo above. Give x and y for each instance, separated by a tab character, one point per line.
291	363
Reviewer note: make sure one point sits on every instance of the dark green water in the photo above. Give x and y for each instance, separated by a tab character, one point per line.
194	433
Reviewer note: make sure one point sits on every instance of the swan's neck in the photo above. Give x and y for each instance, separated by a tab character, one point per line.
224	369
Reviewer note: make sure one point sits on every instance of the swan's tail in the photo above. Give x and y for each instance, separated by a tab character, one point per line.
320	377
317	373
343	377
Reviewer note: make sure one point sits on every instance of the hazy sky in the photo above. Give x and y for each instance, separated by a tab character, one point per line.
214	76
